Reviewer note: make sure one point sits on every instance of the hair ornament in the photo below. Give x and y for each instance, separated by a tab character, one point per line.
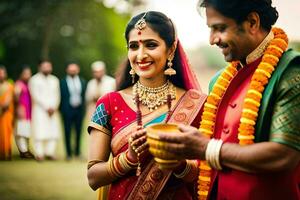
141	23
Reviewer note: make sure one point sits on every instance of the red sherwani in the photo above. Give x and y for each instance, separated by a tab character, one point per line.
233	184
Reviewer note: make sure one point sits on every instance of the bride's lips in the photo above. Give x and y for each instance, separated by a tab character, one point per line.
144	65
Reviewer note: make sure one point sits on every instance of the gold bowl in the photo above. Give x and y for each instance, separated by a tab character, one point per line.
164	159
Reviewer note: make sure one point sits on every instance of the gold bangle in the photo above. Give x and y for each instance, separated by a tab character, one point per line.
117	167
125	166
132	164
186	170
109	169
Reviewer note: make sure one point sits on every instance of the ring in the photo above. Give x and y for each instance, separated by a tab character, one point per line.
144	145
133	147
130	140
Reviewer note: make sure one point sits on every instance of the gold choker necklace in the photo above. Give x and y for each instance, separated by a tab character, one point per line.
154	97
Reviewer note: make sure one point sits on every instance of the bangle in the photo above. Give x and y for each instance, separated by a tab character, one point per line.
118	168
113	169
186	170
132	164
93	162
120	165
125	164
212	153
110	169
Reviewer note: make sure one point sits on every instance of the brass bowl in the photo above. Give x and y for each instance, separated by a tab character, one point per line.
164	159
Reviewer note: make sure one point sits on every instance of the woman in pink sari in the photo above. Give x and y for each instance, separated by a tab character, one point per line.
162	88
23	118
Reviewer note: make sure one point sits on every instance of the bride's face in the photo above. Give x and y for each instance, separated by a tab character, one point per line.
147	53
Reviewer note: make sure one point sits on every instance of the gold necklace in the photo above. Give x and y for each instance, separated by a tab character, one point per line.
154	97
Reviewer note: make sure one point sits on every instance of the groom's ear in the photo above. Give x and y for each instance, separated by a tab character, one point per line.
253	22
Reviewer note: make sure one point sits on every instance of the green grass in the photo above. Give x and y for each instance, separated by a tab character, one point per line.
47	180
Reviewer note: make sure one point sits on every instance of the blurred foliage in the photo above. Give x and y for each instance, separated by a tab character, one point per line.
62	31
295	45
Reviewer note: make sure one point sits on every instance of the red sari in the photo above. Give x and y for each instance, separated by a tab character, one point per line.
114	116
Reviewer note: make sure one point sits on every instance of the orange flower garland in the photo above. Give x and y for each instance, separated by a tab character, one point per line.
251	104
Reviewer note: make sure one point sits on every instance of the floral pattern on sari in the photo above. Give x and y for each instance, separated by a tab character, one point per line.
114	115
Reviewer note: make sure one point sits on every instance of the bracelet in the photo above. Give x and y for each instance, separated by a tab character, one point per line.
93	162
118	168
212	153
132	164
112	168
186	170
120	165
125	163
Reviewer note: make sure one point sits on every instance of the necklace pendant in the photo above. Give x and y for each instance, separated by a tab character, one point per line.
153	98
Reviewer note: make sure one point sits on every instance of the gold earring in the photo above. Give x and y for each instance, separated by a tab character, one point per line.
170	71
132	73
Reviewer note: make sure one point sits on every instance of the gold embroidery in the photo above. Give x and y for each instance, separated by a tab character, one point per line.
286	137
259	51
99	128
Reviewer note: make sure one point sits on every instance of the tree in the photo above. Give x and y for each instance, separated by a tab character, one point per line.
62	31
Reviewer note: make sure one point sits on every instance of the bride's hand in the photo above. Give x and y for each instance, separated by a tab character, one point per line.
137	144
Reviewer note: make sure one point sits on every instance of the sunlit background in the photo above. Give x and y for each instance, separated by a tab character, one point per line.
85	31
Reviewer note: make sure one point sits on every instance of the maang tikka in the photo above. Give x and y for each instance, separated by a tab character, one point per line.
141	23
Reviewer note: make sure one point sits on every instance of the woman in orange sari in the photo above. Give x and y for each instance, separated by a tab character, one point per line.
6	115
163	89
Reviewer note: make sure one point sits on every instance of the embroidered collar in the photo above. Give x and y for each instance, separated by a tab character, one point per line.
259	51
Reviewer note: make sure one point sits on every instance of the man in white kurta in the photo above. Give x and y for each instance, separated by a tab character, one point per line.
45	94
98	86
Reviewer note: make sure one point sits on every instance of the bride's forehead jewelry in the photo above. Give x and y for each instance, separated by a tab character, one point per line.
141	23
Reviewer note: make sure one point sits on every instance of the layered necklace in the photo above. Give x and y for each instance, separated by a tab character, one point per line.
251	104
153	98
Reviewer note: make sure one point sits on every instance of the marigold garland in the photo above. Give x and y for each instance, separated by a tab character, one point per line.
259	80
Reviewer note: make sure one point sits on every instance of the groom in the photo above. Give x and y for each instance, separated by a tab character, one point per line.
249	137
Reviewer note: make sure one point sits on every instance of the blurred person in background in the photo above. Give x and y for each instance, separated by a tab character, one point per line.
72	90
45	94
100	85
23	113
6	115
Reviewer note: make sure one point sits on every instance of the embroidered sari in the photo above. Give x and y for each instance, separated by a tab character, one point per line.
115	118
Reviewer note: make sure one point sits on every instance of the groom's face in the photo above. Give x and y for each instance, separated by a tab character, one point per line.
232	38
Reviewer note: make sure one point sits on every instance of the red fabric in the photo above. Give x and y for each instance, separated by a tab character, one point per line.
237	185
120	114
190	80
